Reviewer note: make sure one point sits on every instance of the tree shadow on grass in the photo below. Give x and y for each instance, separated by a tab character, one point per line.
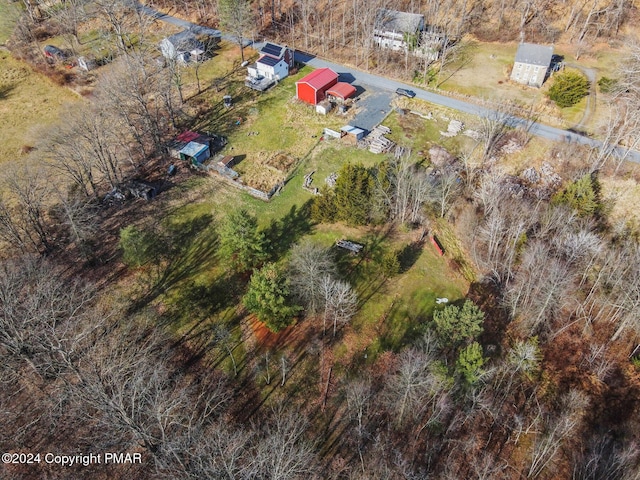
409	255
364	271
184	250
281	234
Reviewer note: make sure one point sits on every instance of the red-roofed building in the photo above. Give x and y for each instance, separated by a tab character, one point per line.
312	88
187	136
342	91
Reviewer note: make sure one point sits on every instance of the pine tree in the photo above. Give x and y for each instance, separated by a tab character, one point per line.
241	244
470	362
455	325
269	298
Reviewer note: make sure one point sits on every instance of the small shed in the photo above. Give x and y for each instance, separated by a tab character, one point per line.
313	87
324	107
351	133
194	152
187	136
342	91
227	161
531	64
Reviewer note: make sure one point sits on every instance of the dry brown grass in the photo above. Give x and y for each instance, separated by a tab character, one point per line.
624	195
30	103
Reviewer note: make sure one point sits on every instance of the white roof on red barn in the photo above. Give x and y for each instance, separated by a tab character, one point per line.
319	78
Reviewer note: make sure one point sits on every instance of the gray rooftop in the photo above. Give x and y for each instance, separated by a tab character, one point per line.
533	54
395	21
185	41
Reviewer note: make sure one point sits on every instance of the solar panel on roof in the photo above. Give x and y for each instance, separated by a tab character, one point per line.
266	60
271	49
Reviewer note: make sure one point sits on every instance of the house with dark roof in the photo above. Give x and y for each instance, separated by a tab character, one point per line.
274	63
531	64
313	87
392	28
182	47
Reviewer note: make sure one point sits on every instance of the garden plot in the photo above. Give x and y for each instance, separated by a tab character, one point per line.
264	169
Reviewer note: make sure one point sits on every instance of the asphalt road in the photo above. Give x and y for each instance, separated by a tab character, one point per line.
382	83
537	129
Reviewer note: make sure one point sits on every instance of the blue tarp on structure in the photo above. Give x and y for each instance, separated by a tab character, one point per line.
195	151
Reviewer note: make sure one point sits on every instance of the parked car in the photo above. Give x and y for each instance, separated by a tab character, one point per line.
53	52
405	92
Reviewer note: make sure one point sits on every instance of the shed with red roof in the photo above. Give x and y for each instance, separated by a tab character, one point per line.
342	91
313	88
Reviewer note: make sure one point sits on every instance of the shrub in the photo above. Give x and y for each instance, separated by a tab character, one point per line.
137	246
469	363
607	85
568	89
582	195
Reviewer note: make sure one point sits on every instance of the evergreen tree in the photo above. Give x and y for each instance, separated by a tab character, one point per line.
353	194
323	208
582	195
241	244
470	362
269	298
455	325
569	88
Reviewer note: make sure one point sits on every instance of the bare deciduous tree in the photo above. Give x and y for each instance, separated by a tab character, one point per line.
283	452
310	263
340	302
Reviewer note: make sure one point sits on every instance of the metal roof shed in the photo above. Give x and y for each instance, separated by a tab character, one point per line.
194	152
342	90
313	87
353	132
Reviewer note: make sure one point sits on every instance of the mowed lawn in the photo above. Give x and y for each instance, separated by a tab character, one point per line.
29	103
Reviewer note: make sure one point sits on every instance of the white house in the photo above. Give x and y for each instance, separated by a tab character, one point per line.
531	64
274	63
392	28
183	47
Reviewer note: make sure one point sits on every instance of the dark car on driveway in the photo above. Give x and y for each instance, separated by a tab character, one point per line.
405	92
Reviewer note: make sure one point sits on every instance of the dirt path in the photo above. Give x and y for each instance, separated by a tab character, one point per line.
590	108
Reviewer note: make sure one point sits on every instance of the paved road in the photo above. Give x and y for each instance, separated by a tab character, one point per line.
373	106
537	129
195	28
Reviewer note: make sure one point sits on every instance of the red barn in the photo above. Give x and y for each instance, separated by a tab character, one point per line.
312	88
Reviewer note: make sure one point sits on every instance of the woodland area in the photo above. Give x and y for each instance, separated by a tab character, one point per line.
217	345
